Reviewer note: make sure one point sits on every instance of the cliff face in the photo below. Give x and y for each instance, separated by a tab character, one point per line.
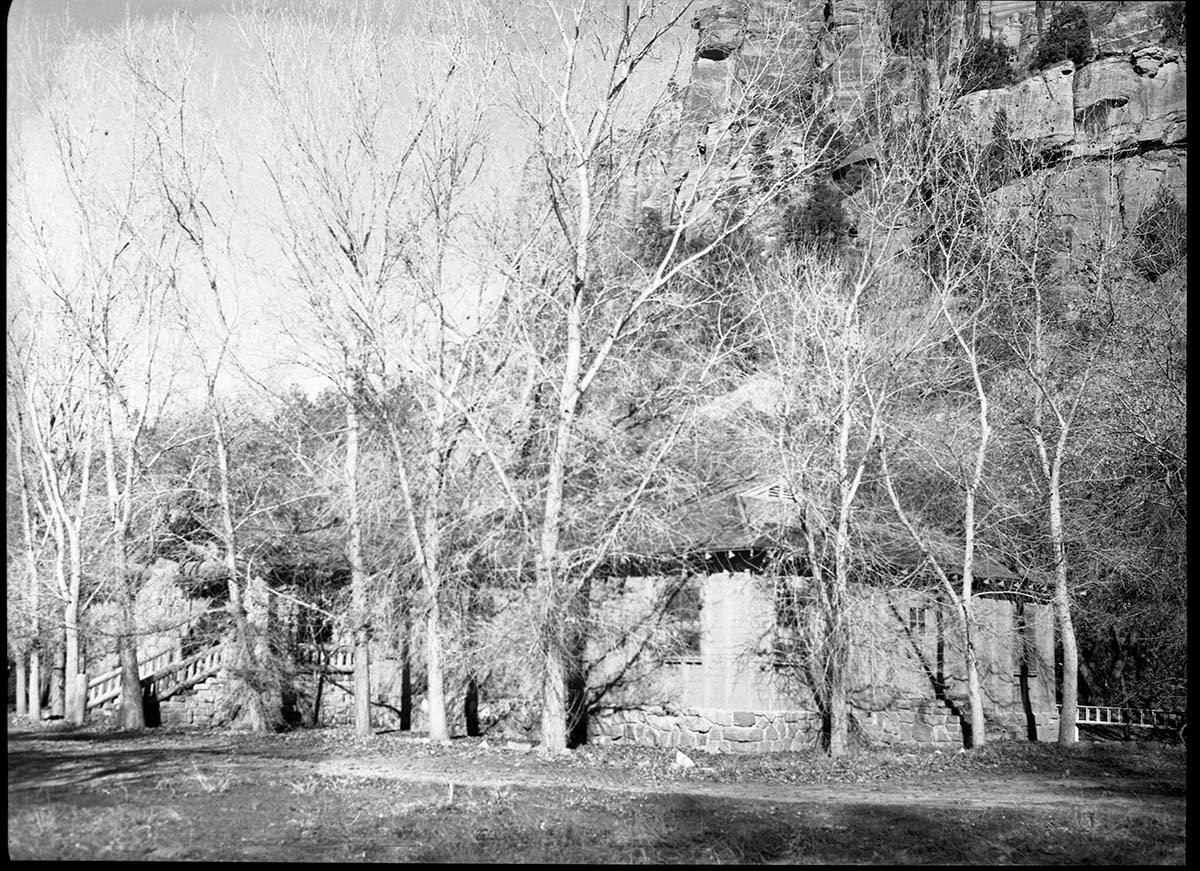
1112	130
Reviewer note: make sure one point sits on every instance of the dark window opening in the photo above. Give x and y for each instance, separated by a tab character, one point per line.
683	614
794	603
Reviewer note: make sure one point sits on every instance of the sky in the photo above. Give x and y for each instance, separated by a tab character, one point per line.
41	29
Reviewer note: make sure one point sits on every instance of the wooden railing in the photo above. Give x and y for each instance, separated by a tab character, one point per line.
166	676
1146	718
189	672
107	686
329	658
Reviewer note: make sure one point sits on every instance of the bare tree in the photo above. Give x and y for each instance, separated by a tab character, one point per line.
1059	335
112	306
589	96
70	262
374	196
57	408
959	264
198	190
28	645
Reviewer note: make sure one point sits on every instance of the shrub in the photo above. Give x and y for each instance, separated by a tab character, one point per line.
762	166
986	65
650	239
821	221
1171	19
917	25
1069	37
1160	237
997	157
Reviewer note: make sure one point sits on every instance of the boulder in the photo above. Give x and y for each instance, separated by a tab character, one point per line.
682	760
1148	58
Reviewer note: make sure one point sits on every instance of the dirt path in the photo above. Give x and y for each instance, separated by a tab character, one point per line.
1108	795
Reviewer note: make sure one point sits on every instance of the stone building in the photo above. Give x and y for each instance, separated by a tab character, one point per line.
703	638
736	678
718	654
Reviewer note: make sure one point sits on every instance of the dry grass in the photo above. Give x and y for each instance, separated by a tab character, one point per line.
216	796
541	825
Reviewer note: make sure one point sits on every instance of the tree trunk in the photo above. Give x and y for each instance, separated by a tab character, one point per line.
835	659
967	612
56	692
839	722
29	702
132	710
425	547
554	694
246	669
436	697
77	696
362	682
358	572
35	684
405	679
439	729
974	687
22	688
1066	629
74	713
471	708
554	689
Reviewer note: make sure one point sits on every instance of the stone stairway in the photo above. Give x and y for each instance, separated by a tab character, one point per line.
163	676
191	690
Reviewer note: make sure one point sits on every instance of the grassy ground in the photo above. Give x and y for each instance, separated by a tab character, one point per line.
323	795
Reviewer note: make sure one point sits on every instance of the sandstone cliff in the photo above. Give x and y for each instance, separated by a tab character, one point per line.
1112	131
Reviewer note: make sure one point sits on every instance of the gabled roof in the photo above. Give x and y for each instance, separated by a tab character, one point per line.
763	513
744	515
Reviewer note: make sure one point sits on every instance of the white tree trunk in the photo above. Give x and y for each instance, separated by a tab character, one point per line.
1066	628
22	688
75	710
358	572
438	728
967	611
35	684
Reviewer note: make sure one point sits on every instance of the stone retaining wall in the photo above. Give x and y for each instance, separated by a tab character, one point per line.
718	731
712	730
910	722
202	705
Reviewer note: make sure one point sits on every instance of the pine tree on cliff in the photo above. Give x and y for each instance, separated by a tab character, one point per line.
1069	37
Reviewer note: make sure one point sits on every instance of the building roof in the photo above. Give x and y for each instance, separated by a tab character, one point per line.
763	514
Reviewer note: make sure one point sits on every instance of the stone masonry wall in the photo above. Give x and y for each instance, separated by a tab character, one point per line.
202	705
718	731
711	730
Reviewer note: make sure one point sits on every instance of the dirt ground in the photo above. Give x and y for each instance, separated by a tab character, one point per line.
326	795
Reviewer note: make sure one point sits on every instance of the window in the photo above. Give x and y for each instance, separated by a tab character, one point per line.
916	623
683	615
794	603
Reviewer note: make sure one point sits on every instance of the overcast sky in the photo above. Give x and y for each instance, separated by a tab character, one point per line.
44	28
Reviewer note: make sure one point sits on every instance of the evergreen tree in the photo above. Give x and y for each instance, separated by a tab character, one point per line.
1069	37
